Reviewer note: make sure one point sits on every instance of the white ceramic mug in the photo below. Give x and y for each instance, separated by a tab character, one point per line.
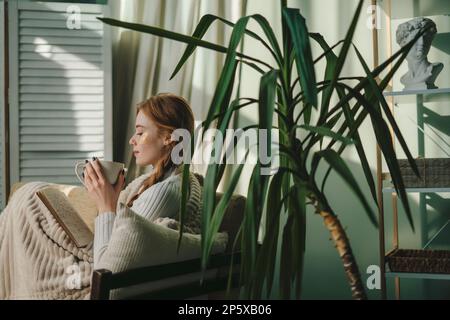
111	170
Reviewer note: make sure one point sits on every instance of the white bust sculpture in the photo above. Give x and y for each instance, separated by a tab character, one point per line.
422	73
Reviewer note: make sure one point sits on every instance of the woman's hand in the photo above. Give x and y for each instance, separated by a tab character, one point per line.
103	193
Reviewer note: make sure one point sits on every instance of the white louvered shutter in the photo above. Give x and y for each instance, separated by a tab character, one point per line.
61	107
2	109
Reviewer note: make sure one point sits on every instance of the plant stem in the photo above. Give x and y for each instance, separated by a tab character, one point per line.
344	249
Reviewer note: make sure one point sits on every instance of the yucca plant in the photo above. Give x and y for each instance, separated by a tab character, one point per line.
291	94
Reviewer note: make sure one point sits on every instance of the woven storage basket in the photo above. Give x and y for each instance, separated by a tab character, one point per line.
423	261
434	173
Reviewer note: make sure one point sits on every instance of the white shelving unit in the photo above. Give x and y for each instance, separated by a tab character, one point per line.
408	99
418	190
417	92
408	275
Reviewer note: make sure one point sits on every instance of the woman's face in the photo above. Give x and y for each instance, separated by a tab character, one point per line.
148	145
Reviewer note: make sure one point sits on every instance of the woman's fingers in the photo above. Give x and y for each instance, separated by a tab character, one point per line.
93	173
91	178
98	171
87	179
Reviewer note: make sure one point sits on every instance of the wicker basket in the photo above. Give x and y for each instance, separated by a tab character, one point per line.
423	261
434	173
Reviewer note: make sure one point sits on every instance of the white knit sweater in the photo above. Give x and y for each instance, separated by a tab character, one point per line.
161	200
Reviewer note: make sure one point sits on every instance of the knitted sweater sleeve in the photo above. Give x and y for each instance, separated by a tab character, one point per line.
160	200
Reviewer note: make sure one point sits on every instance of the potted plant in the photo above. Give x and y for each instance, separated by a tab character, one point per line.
290	92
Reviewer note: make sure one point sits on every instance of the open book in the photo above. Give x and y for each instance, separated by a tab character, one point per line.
73	210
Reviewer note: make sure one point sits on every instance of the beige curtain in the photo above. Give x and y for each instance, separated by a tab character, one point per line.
143	63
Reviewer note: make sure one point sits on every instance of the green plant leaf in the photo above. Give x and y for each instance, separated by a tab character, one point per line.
164	33
184	198
185	186
383	137
400	54
329	125
353	127
203	26
307	113
250	231
212	179
265	264
220	210
212	224
267	90
284	121
266	100
330	68
293	242
286	255
226	79
386	145
220	102
364	82
336	162
359	147
299	234
337	65
303	57
175	36
384	140
326	52
234	249
270	35
208	19
208	205
235	107
253	66
378	94
215	170
387	152
223	124
324	132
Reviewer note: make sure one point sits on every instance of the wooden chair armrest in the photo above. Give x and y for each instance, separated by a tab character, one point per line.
103	281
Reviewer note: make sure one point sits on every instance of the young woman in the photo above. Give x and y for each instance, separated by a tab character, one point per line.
37	258
159	195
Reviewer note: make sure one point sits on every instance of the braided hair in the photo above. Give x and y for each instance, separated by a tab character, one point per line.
169	112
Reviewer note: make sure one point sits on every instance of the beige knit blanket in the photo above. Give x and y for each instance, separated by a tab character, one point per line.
38	259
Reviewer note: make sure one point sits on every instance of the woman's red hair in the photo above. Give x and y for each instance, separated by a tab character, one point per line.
169	112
